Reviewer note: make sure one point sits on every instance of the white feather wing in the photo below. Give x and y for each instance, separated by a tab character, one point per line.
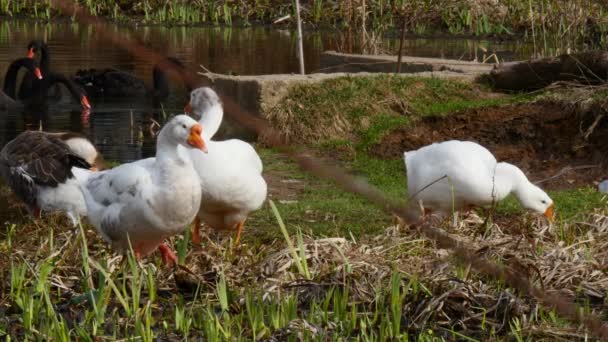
112	195
467	169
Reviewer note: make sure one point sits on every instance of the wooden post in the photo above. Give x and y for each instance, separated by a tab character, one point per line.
300	43
363	31
403	28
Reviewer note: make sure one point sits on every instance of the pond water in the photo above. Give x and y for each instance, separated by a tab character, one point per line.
121	129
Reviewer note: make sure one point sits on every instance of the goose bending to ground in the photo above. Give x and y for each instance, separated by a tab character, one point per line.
43	170
8	99
230	174
120	84
463	174
144	202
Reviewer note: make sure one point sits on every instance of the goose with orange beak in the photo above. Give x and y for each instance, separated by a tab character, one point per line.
230	174
456	175
142	203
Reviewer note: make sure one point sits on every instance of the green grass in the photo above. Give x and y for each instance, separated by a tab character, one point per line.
570	204
60	285
124	300
359	110
372	106
327	210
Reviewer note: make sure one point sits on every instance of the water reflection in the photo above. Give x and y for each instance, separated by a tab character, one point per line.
121	129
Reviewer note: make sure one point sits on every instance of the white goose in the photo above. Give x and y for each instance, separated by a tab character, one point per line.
230	174
146	201
474	178
44	169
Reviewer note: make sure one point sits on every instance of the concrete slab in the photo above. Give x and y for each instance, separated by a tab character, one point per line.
332	61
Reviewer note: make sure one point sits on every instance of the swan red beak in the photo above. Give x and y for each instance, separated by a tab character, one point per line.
38	73
84	101
30	53
195	139
549	213
188	108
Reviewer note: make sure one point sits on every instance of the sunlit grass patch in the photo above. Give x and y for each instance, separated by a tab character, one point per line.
361	109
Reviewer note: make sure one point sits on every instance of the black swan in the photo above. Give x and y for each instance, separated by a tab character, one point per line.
27	83
115	83
7	97
36	92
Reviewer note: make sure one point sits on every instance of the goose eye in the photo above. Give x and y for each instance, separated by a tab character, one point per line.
543	202
185	128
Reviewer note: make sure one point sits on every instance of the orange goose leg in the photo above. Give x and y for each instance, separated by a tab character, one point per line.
196	237
169	257
239	230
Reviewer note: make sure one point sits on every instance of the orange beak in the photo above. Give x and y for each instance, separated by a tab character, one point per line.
30	53
188	108
38	73
195	139
94	169
549	213
84	101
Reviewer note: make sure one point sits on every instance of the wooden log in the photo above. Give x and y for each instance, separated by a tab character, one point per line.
587	67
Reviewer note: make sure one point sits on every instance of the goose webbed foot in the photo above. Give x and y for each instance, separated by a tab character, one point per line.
169	257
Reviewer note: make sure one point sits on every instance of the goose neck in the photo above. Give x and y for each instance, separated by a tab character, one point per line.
510	179
211	119
166	146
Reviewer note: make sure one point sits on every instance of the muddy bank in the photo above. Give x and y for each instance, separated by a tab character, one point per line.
543	138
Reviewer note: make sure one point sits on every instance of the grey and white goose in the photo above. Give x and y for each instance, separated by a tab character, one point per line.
44	169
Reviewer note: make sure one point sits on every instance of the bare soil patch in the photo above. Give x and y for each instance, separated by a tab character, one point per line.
543	138
282	187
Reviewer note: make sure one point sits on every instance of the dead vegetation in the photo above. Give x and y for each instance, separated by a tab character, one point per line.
436	294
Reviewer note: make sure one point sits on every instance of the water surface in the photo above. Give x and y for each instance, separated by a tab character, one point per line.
122	129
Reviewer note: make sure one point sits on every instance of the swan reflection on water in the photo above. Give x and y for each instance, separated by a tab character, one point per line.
121	134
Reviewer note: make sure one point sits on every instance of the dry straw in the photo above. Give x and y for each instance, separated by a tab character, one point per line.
509	274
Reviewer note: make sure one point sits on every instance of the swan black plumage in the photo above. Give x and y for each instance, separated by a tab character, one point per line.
8	96
36	92
27	83
121	84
